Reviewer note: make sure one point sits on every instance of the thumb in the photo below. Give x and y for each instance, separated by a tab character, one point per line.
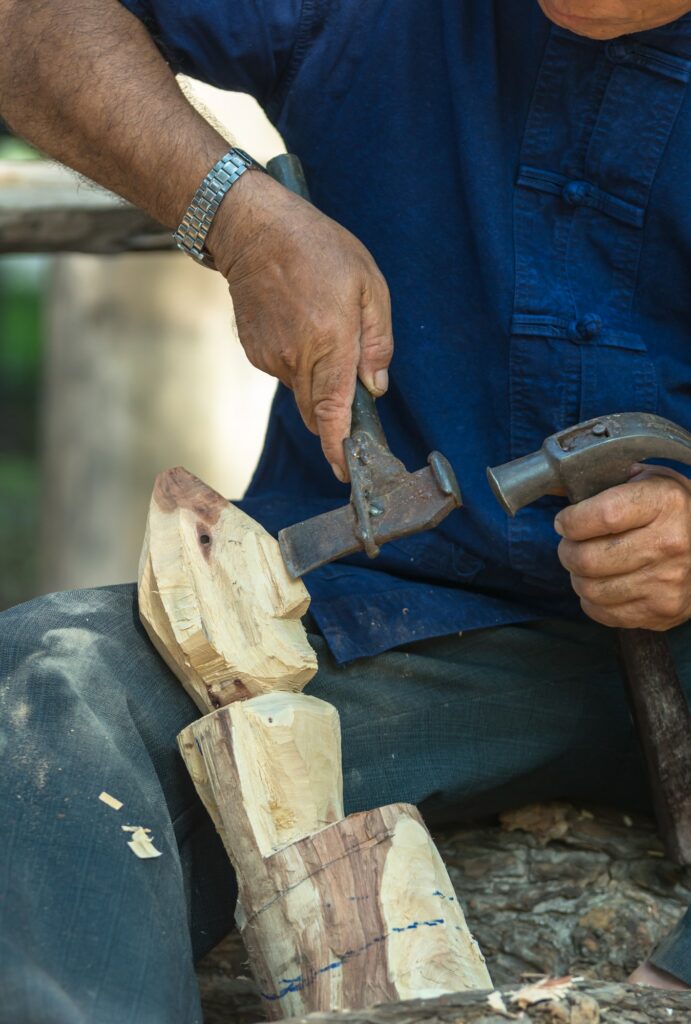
376	338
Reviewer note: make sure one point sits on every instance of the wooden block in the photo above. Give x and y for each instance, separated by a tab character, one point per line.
216	599
335	912
349	912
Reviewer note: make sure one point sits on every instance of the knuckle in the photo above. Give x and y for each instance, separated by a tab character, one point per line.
377	278
676	497
670	604
611	511
585	561
675	575
377	347
328	410
322	333
601	615
674	541
288	357
583	587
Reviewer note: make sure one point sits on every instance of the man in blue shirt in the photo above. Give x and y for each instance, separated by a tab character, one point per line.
518	172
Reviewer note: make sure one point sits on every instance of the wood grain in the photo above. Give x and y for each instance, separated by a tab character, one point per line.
216	599
347	912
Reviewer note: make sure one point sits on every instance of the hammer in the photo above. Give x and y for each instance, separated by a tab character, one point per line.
386	501
581	462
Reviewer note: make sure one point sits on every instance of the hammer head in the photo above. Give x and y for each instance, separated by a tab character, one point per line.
386	502
583	460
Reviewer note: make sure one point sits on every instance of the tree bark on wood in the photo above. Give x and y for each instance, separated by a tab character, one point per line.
575	1002
334	912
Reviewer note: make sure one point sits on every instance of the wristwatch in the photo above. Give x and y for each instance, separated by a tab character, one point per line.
194	227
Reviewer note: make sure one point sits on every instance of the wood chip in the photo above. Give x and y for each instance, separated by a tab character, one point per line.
134	828
110	800
545	991
496	1001
142	846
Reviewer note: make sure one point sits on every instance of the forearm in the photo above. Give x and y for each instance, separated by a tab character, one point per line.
82	81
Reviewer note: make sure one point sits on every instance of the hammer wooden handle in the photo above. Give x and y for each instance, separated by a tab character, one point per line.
580	462
661	714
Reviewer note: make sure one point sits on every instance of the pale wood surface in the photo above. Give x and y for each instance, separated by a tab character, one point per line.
335	912
348	912
269	771
216	599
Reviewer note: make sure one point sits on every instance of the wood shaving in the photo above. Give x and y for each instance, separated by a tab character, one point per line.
134	828
142	846
110	800
549	990
496	1001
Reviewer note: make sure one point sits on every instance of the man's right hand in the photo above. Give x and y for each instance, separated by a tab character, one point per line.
311	305
84	82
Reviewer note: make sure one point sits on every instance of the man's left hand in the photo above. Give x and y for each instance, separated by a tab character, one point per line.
628	551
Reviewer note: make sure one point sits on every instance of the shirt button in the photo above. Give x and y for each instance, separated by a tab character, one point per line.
585	329
575	192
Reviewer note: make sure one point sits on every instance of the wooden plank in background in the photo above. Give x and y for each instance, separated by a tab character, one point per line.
46	208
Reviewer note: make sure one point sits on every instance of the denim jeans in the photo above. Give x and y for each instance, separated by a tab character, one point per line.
462	726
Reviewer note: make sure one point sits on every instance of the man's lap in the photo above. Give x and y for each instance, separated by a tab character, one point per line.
461	726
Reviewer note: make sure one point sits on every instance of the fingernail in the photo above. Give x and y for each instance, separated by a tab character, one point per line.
558	527
338	472
381	381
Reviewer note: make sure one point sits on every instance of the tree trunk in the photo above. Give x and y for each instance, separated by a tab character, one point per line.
568	1002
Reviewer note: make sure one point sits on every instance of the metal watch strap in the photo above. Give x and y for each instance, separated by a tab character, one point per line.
191	235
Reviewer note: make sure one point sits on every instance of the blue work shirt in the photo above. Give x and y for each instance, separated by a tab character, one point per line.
526	194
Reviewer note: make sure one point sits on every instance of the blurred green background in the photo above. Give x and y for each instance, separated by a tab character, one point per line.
21	283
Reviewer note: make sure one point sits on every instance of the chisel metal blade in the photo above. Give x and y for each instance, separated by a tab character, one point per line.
419	502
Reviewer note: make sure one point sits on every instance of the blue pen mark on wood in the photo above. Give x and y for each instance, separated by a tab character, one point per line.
420	924
303	981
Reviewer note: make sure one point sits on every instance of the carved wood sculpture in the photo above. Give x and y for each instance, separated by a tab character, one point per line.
335	912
